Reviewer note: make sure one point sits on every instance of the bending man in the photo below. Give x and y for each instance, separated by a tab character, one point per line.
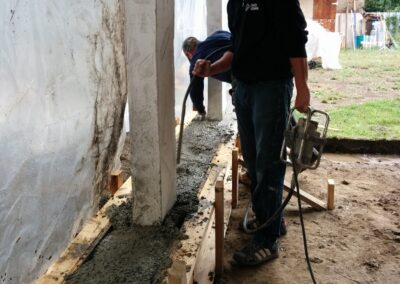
195	50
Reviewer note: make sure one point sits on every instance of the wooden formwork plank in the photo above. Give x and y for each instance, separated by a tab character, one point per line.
219	226
86	240
196	227
205	265
308	198
235	177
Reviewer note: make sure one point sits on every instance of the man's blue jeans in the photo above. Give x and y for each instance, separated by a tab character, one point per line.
262	110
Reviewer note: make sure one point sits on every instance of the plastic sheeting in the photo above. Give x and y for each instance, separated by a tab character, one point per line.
62	91
324	44
190	20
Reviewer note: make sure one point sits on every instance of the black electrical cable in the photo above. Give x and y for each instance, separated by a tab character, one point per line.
277	213
272	218
294	184
303	230
183	113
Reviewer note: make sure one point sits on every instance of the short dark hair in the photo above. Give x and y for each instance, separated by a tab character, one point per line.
190	44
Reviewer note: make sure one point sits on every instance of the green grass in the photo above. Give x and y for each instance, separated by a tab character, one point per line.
364	65
373	120
371	75
327	96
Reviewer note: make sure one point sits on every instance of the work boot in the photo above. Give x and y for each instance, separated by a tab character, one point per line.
252	224
256	253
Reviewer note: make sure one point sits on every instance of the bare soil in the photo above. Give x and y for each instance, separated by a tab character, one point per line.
357	242
366	75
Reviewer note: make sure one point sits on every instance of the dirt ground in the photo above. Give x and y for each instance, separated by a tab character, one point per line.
366	75
358	242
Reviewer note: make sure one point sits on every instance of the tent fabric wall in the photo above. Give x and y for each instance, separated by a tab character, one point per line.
324	44
190	20
62	93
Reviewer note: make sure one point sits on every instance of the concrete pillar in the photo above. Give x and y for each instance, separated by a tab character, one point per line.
150	65
215	98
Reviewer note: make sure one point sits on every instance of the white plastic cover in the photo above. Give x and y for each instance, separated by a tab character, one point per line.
62	88
190	20
324	44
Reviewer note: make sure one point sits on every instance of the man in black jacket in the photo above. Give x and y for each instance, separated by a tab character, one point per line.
268	48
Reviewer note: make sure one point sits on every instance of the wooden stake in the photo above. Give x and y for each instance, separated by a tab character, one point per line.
315	203
331	194
237	143
235	177
219	227
117	181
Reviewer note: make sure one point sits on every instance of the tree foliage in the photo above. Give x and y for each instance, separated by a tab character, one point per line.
393	25
381	5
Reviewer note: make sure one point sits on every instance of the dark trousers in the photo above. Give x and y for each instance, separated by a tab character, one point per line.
198	102
262	110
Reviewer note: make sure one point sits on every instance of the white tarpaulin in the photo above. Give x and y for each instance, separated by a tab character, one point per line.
62	88
190	20
324	44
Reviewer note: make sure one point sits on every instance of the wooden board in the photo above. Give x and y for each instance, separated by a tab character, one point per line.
324	12
205	264
117	180
331	195
235	177
308	198
197	226
86	240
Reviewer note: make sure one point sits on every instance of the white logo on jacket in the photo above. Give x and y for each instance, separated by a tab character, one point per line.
251	7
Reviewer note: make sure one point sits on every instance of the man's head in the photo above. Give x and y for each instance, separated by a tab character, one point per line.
189	46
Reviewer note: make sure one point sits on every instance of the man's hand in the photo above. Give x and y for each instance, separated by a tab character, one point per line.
202	68
302	101
300	71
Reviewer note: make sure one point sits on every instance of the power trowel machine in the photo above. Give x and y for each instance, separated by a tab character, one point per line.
302	149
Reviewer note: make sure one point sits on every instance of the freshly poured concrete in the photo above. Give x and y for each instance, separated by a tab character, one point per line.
133	254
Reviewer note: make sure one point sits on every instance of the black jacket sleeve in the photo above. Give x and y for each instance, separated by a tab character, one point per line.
231	11
293	28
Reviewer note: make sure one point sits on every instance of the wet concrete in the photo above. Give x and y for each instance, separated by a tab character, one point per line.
131	254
